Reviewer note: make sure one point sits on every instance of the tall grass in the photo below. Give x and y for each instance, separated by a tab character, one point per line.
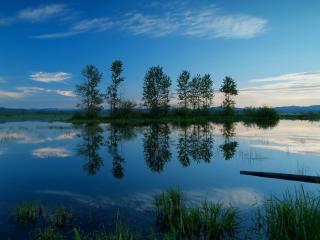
295	216
207	221
28	213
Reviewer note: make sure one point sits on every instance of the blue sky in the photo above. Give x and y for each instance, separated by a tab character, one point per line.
270	47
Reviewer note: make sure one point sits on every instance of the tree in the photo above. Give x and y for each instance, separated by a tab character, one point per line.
229	89
183	88
156	90
194	92
113	97
91	98
207	91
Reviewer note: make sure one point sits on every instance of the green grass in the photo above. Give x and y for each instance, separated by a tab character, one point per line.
47	234
26	116
295	216
312	116
207	221
28	213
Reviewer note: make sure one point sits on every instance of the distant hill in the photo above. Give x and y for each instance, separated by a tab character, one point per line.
298	109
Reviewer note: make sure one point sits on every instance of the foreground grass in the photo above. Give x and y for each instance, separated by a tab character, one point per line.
207	221
294	216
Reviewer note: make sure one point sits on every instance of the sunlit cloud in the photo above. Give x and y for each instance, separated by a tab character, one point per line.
65	93
11	94
51	152
47	77
300	76
286	89
201	22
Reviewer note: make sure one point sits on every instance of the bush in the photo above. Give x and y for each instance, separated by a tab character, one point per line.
262	113
126	109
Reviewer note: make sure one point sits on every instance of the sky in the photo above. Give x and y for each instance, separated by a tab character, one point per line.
271	48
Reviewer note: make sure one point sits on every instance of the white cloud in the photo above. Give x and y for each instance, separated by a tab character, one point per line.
42	13
204	22
51	152
65	93
47	77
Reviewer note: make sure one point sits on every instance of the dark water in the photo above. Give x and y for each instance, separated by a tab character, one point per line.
102	170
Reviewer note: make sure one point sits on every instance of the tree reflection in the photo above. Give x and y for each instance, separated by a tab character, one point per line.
116	135
92	141
196	143
229	147
156	146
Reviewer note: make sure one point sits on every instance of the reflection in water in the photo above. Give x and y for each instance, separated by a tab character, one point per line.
229	147
196	143
116	135
92	141
156	146
51	152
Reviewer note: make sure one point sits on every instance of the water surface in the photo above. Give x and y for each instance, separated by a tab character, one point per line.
105	169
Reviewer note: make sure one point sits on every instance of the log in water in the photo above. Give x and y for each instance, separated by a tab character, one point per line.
291	177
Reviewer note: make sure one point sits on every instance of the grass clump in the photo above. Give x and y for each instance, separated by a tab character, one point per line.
28	213
295	216
47	234
207	221
61	217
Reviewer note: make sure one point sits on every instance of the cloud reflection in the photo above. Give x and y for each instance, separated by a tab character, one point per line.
51	152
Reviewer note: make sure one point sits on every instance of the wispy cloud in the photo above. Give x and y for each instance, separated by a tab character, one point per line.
37	14
42	13
47	77
201	22
86	25
287	89
11	94
300	76
25	91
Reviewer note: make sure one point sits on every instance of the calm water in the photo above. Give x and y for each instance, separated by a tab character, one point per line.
100	170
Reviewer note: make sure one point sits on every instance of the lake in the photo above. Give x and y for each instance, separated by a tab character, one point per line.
101	171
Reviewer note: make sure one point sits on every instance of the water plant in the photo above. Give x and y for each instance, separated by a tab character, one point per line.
206	221
294	216
61	217
47	234
28	213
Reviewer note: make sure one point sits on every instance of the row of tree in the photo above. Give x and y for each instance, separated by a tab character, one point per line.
194	93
